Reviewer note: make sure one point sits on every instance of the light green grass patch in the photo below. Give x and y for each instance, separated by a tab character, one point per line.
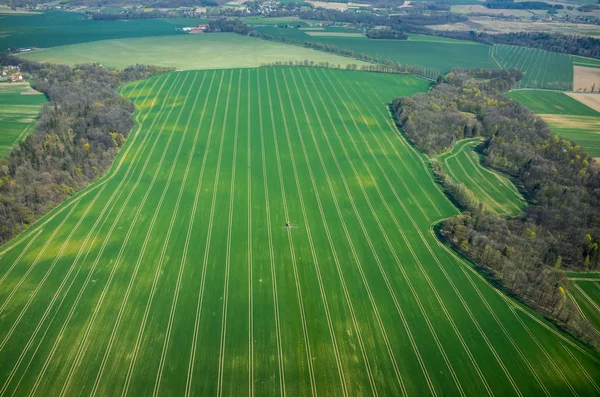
18	114
207	51
495	190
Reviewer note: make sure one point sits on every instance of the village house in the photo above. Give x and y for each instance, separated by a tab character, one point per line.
203	27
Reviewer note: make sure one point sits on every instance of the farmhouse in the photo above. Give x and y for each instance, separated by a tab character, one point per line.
203	27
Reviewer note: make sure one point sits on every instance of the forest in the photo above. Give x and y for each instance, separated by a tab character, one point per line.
524	5
559	229
386	34
77	137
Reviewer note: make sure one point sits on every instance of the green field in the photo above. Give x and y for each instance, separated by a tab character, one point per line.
551	102
586	62
175	274
205	51
498	193
57	28
18	113
433	52
566	116
542	69
586	295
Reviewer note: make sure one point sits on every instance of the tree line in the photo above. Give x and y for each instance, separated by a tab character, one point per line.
77	136
377	63
560	228
417	23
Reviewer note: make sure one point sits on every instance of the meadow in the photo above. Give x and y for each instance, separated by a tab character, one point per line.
496	191
18	113
542	69
433	52
565	116
176	272
586	62
205	51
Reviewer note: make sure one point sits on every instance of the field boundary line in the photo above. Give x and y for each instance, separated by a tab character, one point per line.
289	234
310	239
329	238
82	349
271	252
167	238
118	190
184	256
228	252
192	360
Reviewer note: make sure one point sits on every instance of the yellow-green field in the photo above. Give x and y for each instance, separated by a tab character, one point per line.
198	51
176	274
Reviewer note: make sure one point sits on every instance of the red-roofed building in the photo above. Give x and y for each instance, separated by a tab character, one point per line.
200	29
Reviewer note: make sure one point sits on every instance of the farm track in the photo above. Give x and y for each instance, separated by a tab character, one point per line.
176	274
